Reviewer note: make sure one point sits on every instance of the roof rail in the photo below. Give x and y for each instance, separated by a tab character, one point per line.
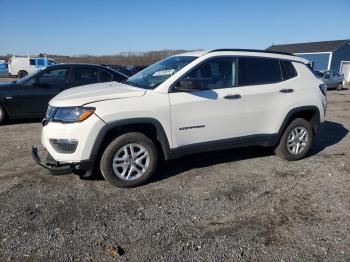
251	50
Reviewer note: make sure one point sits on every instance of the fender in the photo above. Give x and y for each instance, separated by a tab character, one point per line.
161	135
315	121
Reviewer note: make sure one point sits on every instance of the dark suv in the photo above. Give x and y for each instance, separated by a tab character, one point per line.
28	97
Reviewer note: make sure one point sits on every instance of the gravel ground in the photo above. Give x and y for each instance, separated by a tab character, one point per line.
235	205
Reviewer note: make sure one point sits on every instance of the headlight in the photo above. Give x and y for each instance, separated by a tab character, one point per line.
72	114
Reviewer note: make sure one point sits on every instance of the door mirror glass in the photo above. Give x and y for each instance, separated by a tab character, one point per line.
189	85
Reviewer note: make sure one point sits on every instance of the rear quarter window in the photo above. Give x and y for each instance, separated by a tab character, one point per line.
288	70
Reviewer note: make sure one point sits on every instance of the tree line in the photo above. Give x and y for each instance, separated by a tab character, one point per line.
123	58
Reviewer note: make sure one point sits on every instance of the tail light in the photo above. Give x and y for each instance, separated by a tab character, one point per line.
323	89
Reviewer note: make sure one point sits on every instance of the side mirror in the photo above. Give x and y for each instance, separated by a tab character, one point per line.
189	85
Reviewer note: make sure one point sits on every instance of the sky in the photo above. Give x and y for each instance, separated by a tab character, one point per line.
106	27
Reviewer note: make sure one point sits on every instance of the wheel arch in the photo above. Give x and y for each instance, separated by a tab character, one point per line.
309	113
148	126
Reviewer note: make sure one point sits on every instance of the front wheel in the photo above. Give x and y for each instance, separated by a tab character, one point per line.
340	86
129	160
296	140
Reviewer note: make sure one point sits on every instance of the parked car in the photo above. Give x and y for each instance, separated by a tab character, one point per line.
120	69
22	66
332	79
28	97
187	103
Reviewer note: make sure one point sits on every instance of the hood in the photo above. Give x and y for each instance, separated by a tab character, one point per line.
87	94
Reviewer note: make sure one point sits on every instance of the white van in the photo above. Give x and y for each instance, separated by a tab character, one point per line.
22	66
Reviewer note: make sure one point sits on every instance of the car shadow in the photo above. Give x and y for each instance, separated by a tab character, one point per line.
330	133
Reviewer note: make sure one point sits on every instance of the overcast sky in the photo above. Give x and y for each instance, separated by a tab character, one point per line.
72	27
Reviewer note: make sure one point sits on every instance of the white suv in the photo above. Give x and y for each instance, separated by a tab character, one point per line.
186	103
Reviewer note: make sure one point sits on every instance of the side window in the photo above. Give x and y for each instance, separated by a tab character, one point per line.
54	76
105	76
32	61
327	75
288	70
213	74
85	75
255	71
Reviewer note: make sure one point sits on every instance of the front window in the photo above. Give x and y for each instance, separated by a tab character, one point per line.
156	74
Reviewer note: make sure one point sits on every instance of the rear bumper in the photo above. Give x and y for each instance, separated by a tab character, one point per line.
60	168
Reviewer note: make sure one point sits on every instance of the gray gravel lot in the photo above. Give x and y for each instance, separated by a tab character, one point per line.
235	205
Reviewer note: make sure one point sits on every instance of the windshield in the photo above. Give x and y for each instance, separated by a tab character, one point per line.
155	74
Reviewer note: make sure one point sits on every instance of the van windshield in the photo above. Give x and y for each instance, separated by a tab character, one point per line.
155	74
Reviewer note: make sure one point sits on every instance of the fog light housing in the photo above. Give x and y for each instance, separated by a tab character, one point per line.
64	146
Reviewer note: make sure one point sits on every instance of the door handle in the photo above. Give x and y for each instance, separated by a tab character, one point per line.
235	96
290	90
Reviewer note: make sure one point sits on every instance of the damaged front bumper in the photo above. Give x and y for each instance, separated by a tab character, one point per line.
55	167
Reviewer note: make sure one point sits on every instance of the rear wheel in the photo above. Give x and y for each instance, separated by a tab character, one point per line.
340	86
296	140
2	115
22	73
129	160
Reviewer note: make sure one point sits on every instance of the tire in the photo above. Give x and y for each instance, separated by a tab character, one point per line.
22	73
2	115
129	171
340	86
291	137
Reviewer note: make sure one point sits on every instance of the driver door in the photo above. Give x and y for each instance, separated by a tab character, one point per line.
213	110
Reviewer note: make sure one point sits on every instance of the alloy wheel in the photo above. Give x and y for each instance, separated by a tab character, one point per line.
130	162
297	140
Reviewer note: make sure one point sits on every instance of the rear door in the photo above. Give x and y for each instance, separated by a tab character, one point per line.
84	75
267	91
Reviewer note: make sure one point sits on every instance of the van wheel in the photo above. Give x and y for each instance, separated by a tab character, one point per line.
340	86
2	115
22	73
129	160
296	140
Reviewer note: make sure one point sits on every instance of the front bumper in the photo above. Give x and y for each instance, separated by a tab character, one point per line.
55	167
82	168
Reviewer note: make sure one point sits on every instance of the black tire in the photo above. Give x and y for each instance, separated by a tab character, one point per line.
340	86
2	115
22	73
282	148
116	145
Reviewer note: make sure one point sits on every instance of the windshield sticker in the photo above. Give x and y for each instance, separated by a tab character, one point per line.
164	72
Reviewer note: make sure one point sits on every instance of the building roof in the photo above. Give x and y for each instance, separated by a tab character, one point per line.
311	47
